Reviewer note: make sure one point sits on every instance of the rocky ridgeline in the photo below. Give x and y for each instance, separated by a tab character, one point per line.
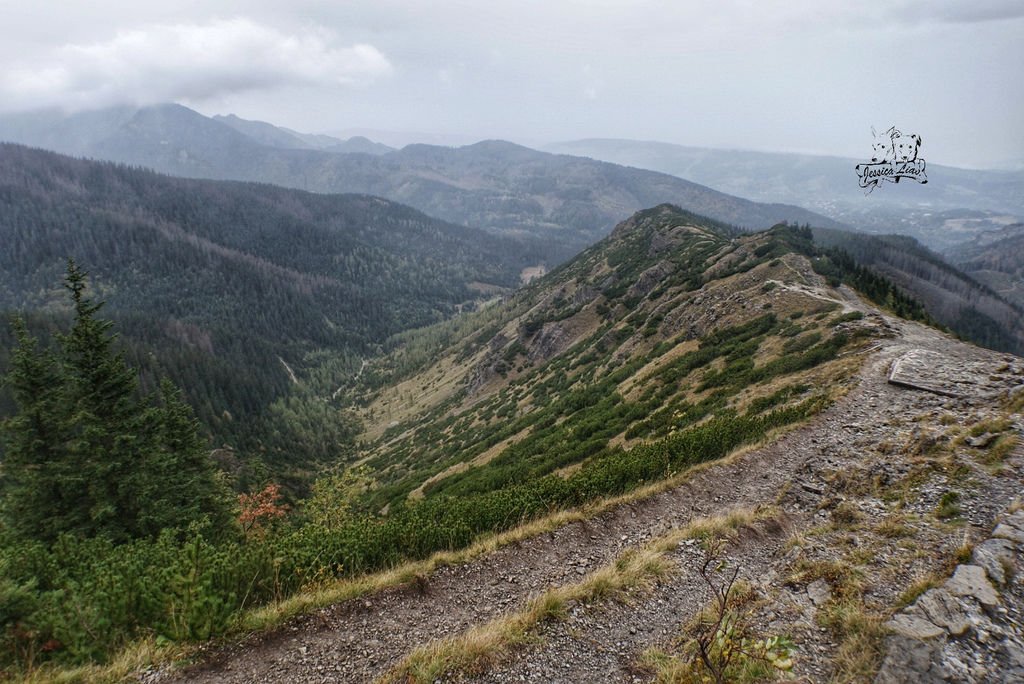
855	493
970	628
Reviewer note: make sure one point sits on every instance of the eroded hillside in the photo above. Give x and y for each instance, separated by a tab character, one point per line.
671	322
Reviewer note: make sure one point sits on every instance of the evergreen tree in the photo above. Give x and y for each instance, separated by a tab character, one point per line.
85	455
36	473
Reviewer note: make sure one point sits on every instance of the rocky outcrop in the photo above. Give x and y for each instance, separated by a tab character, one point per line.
650	279
968	629
931	371
552	339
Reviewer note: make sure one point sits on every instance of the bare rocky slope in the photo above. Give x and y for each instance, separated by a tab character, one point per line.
836	526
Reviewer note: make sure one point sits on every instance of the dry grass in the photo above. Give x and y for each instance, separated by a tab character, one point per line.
948	506
861	636
992	425
665	667
1015	404
844	579
893	527
916	588
846	515
1000	449
123	667
473	651
962	554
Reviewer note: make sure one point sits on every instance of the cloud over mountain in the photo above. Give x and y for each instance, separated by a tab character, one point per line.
161	62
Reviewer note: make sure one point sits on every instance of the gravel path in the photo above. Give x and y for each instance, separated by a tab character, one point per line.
359	640
604	642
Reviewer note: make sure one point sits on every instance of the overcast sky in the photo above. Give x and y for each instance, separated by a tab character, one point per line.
805	75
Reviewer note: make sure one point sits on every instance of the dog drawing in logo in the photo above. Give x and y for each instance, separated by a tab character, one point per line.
894	156
881	149
905	147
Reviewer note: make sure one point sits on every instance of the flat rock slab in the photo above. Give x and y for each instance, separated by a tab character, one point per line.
944	374
1015	520
1007	531
913	661
914	627
970	580
940	608
819	592
995	555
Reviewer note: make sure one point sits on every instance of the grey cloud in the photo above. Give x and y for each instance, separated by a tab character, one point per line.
954	12
809	75
162	62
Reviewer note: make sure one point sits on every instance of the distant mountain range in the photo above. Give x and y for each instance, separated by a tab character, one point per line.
566	202
955	204
278	136
995	258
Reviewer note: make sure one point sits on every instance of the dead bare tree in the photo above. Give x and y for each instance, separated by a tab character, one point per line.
708	632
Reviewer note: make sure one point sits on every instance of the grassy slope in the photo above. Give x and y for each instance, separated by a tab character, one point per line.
670	321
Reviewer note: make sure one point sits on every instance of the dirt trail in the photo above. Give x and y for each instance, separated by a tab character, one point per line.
359	640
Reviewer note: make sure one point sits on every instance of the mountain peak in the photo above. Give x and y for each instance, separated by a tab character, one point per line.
665	218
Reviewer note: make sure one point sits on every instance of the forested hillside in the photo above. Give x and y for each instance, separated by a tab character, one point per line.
970	308
995	258
238	290
569	202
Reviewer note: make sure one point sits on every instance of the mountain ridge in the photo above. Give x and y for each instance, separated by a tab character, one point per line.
567	201
995	258
278	136
629	305
580	396
955	205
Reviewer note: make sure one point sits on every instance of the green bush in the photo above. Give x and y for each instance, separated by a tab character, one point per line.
80	600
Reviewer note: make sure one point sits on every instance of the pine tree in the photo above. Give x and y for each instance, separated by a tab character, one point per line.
106	443
36	468
180	481
86	455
